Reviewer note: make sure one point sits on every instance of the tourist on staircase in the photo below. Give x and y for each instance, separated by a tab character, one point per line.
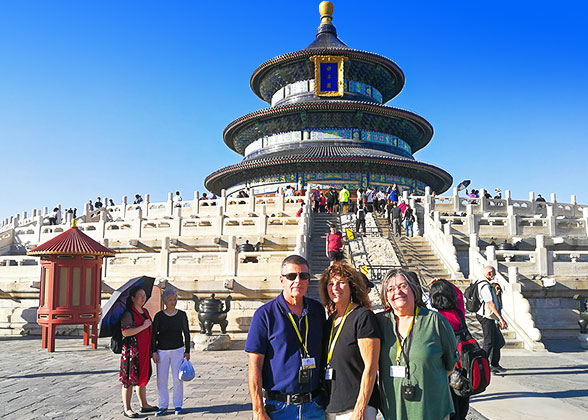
334	244
396	219
344	200
490	317
408	220
360	219
351	345
418	349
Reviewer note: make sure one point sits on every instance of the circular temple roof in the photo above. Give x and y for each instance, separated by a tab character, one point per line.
372	69
328	159
72	242
410	127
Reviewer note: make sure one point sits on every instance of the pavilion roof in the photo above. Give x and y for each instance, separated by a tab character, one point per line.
72	242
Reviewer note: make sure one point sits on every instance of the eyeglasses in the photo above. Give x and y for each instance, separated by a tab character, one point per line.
292	276
402	287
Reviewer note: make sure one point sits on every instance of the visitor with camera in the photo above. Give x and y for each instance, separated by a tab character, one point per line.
351	345
418	350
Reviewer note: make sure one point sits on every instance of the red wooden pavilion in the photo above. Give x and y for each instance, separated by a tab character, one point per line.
71	275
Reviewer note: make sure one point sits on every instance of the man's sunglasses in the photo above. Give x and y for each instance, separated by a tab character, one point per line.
292	276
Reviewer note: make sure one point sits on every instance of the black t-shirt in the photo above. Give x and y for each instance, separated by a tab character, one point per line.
396	213
168	330
347	362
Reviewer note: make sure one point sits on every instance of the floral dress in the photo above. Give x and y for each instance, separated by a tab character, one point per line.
135	362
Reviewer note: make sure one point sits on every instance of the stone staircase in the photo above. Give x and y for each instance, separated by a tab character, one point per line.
317	256
416	254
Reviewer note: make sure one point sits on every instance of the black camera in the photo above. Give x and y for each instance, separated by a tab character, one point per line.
304	376
408	392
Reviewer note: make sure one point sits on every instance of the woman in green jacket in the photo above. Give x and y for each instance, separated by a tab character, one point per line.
418	350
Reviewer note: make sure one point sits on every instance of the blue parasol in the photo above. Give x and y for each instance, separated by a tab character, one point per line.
117	304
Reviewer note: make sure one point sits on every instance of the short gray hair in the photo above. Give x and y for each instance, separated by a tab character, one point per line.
167	293
294	259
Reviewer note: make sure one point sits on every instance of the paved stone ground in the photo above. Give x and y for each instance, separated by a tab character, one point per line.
78	383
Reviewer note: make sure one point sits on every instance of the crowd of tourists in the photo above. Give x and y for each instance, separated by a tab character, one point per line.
333	360
338	360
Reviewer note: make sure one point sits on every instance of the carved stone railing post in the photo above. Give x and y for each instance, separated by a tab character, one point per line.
483	201
164	257
507	197
280	202
533	205
220	220
456	201
169	206
145	205
223	199
471	219
541	256
196	204
551	221
263	220
474	250
251	206
176	223
232	256
512	220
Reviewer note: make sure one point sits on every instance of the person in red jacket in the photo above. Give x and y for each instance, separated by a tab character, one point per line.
334	244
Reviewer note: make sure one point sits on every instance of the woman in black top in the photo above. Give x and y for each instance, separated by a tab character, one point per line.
169	350
352	345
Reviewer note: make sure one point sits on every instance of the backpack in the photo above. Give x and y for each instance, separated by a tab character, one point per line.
471	296
471	375
117	339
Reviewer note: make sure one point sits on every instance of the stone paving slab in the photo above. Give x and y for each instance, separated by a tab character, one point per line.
78	383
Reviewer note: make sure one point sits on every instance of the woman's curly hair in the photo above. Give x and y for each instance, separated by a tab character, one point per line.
359	292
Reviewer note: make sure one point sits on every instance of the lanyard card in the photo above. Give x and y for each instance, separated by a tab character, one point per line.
308	363
398	371
329	373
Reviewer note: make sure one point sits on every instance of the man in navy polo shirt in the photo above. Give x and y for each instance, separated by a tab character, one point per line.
285	345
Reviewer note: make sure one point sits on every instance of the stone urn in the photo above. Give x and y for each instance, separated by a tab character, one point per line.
212	311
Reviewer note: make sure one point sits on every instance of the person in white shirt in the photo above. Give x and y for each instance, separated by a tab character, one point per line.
491	319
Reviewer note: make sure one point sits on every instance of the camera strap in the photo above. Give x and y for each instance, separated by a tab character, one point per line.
403	344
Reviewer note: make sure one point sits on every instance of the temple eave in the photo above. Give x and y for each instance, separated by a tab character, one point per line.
438	179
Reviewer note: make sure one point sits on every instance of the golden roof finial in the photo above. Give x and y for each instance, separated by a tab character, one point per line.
326	10
74	223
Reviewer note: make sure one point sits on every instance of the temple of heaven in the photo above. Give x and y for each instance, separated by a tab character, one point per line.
328	124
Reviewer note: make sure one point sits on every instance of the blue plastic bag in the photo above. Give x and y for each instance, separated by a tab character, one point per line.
187	371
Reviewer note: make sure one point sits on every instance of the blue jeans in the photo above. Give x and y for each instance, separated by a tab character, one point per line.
307	411
408	225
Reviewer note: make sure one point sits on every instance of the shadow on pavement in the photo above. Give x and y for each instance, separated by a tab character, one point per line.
572	393
228	408
556	370
563	345
40	375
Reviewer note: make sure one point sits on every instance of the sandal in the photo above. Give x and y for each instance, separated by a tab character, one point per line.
151	409
133	415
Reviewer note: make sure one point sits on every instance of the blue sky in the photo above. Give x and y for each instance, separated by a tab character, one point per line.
115	98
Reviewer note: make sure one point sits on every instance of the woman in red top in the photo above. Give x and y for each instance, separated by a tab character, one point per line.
135	363
334	244
447	299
